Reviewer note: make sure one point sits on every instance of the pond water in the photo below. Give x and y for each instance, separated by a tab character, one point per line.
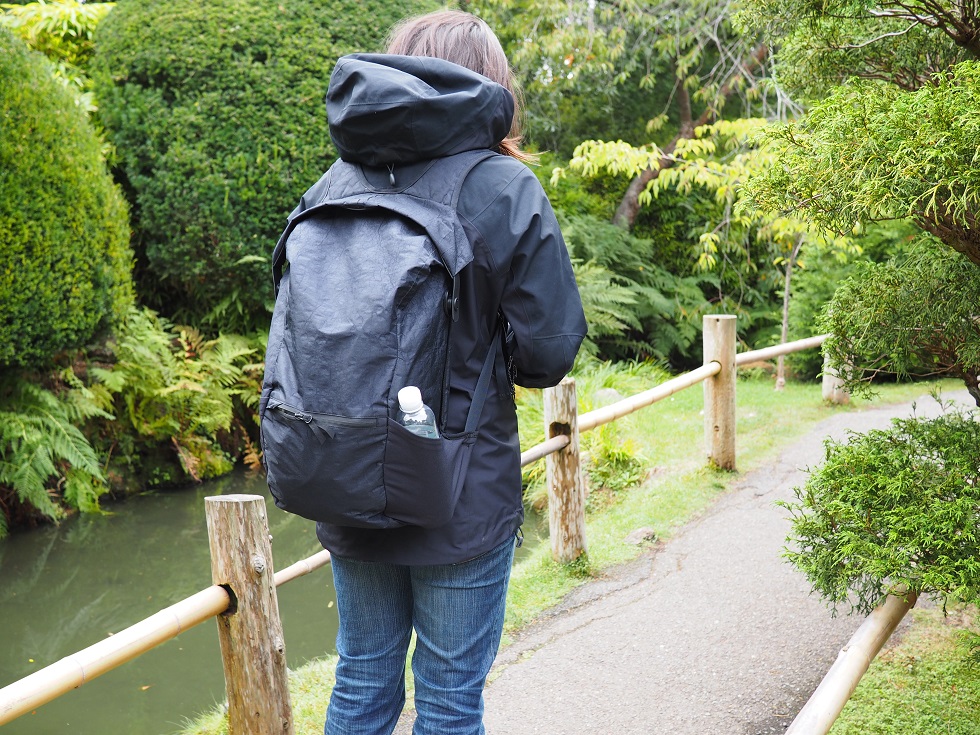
64	588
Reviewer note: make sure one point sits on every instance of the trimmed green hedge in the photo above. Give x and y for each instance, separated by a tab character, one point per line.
64	235
216	111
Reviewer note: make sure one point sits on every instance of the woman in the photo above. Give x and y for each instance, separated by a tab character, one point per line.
449	584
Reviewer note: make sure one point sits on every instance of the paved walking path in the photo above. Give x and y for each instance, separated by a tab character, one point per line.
710	633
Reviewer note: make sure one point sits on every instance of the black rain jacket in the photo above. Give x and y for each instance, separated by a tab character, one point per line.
392	114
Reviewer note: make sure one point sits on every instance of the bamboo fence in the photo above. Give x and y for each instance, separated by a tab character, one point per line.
244	576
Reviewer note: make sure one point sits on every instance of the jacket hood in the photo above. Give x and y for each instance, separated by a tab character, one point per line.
385	109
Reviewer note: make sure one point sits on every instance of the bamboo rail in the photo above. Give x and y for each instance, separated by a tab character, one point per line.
767	353
302	567
825	705
617	410
544	448
73	671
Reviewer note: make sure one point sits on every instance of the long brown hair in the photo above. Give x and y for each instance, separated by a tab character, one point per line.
468	41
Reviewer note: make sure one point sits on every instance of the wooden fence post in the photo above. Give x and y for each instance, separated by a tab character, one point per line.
566	492
252	648
833	386
719	391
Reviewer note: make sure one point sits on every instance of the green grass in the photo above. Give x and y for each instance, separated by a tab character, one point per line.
923	686
669	436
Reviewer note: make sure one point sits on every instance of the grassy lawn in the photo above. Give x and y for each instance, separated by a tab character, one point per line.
669	436
925	685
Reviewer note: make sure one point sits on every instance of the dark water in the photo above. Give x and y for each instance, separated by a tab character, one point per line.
63	589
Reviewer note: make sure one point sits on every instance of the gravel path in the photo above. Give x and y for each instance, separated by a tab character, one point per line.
711	633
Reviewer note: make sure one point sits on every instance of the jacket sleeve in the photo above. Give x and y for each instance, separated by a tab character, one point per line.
540	298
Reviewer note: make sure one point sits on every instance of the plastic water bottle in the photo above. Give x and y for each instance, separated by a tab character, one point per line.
415	415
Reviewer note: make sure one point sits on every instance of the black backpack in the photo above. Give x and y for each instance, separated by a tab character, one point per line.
364	308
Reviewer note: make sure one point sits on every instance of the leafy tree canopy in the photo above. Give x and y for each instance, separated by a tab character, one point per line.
668	61
871	152
903	42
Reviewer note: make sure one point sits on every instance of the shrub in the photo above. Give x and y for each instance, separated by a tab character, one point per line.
610	462
893	509
915	315
636	309
62	30
216	112
814	285
64	237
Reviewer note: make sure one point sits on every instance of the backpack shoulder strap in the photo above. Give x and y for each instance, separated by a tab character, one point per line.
453	169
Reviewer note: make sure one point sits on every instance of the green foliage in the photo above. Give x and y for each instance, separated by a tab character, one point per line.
822	271
63	31
216	112
745	250
912	316
607	302
176	392
893	509
613	69
64	236
44	457
608	460
157	405
819	45
617	466
871	153
574	194
643	311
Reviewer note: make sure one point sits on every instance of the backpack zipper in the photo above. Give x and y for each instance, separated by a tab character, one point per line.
291	412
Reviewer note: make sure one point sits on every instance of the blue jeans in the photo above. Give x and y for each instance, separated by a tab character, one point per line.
457	611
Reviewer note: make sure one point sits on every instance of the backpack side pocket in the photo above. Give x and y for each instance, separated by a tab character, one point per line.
423	477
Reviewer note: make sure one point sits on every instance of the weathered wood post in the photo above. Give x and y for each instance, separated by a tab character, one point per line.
833	386
719	391
566	491
250	633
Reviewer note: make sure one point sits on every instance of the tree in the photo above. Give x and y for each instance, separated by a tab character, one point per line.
872	153
719	159
905	43
898	141
689	47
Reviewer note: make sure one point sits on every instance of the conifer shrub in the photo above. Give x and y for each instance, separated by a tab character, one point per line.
64	234
216	112
893	509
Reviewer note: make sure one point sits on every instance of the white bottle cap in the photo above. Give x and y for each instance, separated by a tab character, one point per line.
409	399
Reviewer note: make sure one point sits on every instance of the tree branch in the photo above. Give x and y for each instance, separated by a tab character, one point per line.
629	206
